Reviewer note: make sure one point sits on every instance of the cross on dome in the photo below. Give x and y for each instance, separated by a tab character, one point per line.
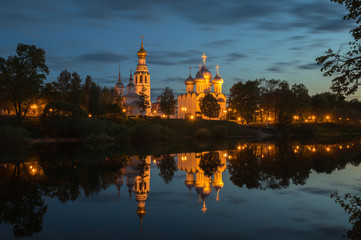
190	70
204	58
217	67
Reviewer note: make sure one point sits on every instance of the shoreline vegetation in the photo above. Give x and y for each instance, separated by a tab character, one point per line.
101	132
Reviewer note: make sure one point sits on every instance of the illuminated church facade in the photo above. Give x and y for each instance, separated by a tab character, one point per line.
197	88
139	82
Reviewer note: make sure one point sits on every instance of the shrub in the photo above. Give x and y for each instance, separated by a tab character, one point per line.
220	131
202	133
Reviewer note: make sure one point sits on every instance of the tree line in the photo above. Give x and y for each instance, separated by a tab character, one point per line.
277	101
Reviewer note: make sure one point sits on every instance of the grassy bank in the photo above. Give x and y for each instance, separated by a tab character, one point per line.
104	133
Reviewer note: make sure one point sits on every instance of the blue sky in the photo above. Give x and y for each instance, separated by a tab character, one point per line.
272	39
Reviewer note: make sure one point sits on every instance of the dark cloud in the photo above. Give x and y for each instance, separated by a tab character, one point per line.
101	57
309	66
264	14
221	43
235	56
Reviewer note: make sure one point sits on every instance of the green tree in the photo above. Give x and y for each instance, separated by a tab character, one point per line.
94	98
344	65
244	98
167	101
63	84
21	77
75	89
209	106
209	163
143	102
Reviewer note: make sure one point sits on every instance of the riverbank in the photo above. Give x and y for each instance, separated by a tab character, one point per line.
95	131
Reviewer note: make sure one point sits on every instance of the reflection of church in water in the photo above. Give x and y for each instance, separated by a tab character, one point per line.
136	175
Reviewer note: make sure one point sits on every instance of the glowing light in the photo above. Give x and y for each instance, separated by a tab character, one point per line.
239	119
340	147
124	110
192	117
313	149
295	117
225	155
327	117
269	147
225	111
262	156
297	147
184	158
163	116
327	149
348	146
90	115
347	119
155	111
295	151
339	118
50	110
239	147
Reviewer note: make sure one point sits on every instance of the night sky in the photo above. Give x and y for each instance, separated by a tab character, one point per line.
272	39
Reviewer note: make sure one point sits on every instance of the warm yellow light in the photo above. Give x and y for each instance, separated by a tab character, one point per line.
229	109
269	119
225	111
192	117
269	147
295	117
347	119
306	120
239	147
339	118
124	110
295	151
348	146
327	117
163	116
328	149
239	119
230	157
50	110
262	156
313	149
90	115
225	155
340	147
155	111
31	167
297	147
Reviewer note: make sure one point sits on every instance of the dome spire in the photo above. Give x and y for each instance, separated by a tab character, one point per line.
142	39
119	73
217	67
190	70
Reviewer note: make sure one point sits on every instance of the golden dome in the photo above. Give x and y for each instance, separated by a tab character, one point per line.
206	73
189	80
217	80
142	52
199	77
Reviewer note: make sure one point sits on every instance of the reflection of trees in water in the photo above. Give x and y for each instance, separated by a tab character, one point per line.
167	166
21	204
209	163
66	171
287	164
352	206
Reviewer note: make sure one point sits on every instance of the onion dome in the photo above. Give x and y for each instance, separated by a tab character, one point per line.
205	72
119	84
189	80
199	77
217	79
189	184
141	213
142	52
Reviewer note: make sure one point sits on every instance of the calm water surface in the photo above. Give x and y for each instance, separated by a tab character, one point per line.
260	190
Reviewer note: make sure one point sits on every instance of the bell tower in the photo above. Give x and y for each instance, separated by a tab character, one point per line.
141	75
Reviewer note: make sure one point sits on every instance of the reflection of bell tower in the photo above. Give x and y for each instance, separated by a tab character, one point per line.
141	75
141	190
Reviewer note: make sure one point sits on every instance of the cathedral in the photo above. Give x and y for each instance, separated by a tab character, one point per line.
140	81
188	103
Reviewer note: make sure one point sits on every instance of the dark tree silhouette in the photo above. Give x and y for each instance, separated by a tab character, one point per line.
209	163
345	63
21	77
167	166
209	106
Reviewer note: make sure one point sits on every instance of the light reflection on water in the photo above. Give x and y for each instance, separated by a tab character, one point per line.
250	191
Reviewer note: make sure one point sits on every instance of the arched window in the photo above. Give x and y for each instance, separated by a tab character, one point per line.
141	78
145	81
